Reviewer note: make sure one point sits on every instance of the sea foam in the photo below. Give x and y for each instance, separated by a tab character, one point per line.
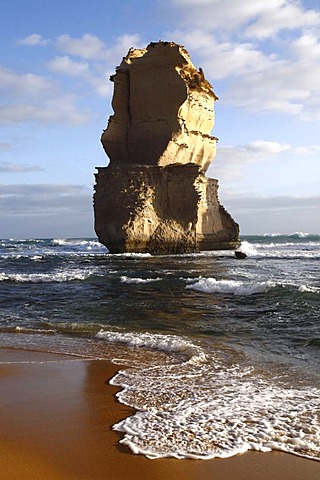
248	248
230	287
74	242
63	276
152	341
208	411
125	279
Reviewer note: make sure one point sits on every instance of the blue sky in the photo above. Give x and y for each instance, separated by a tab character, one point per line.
262	57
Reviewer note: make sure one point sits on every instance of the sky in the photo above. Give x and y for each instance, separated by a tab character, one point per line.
261	56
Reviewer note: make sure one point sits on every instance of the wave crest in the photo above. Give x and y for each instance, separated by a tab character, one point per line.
44	277
230	287
152	341
125	279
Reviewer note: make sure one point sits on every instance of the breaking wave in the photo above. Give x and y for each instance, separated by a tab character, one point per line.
63	276
73	242
125	279
230	287
152	341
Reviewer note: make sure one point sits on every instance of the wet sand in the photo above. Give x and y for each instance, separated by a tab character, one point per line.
56	417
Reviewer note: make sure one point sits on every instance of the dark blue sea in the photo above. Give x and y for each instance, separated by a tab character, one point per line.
221	355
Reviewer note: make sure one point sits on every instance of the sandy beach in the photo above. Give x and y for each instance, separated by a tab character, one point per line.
56	423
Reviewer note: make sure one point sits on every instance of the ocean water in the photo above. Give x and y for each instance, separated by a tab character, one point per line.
221	355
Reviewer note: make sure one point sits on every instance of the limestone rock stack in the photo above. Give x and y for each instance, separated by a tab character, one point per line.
154	195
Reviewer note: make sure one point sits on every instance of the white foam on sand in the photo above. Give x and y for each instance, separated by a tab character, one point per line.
206	410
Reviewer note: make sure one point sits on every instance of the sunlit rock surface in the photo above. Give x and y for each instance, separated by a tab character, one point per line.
154	195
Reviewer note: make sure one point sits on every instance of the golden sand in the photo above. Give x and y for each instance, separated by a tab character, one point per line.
56	424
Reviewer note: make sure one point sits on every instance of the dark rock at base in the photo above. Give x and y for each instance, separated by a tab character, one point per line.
240	254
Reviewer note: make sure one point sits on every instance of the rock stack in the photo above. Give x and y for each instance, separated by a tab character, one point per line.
154	195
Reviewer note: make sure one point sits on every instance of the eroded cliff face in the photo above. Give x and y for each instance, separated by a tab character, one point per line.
163	110
154	196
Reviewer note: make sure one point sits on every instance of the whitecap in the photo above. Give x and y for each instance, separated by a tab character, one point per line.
152	341
137	280
29	330
76	242
299	234
131	255
37	258
248	248
230	287
309	289
44	277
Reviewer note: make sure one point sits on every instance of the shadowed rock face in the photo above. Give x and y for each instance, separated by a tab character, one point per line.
154	196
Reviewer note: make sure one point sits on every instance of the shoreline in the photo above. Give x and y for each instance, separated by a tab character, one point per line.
56	421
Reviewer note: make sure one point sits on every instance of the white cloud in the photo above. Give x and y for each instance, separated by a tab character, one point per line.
228	39
286	15
257	81
122	44
9	167
33	40
222	59
90	47
28	97
283	86
25	84
306	150
100	58
93	74
68	66
101	83
259	150
215	14
32	98
233	164
266	147
49	112
306	47
255	19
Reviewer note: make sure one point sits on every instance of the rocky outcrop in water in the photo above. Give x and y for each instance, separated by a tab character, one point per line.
154	195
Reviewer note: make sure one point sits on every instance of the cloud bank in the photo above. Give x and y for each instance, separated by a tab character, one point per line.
46	210
229	38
